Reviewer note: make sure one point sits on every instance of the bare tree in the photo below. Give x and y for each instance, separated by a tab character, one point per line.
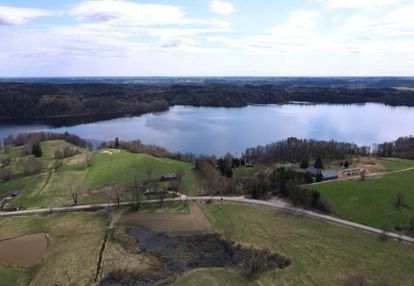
5	173
174	187
383	235
117	193
30	166
162	196
180	174
363	175
411	223
399	200
74	188
137	192
229	232
75	196
57	164
88	159
148	172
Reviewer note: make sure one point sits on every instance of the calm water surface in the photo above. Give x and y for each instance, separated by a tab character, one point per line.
205	130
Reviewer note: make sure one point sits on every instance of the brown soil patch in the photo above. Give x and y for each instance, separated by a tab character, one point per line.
23	251
110	192
192	223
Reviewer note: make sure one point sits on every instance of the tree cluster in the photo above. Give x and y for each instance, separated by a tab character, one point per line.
66	152
296	150
36	137
403	147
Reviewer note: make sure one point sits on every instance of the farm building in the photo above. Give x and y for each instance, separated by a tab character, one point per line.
326	174
168	177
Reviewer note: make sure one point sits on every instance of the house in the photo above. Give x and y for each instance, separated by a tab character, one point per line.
168	177
326	174
313	171
329	175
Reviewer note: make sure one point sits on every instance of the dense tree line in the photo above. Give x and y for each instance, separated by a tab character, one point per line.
20	100
403	147
36	137
297	150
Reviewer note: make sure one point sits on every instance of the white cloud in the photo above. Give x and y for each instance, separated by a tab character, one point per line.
10	16
222	7
396	22
127	12
350	4
298	34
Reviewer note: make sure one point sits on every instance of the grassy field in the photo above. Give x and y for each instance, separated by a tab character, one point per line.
322	253
122	167
371	202
71	255
395	164
52	188
11	275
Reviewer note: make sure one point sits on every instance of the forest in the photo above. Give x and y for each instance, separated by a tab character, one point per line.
42	100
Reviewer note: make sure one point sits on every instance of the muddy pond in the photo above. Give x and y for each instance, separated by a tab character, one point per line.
24	250
178	254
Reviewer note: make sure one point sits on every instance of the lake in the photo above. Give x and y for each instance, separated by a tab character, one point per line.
210	130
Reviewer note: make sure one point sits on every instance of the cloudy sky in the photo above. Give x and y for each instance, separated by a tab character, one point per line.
206	38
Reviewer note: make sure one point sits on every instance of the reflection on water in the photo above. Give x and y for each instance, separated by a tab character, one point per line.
211	130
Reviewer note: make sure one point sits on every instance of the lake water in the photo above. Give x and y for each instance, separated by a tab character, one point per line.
208	130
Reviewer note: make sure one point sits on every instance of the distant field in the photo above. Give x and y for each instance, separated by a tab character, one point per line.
72	254
322	253
370	202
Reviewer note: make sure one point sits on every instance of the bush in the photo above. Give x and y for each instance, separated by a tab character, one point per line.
37	150
304	164
30	166
6	173
66	153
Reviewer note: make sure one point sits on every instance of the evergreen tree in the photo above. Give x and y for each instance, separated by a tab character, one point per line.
346	164
318	163
36	150
319	177
304	164
116	144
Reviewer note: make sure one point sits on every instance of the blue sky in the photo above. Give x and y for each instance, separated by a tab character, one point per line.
207	38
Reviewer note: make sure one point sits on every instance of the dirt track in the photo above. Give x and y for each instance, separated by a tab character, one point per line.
24	251
194	222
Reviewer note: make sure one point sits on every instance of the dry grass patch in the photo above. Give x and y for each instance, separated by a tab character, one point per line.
191	223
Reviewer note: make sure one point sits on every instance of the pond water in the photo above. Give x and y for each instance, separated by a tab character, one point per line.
210	130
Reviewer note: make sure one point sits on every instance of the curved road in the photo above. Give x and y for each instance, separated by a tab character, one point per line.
277	205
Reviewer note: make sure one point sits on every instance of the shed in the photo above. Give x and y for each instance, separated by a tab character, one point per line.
168	177
329	174
326	174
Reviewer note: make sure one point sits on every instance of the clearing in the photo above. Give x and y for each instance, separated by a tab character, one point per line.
172	223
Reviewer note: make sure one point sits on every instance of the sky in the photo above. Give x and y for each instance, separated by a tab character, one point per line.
43	38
